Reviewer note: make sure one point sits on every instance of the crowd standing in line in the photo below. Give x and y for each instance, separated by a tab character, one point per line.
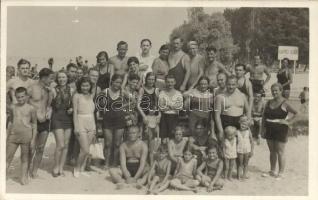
139	106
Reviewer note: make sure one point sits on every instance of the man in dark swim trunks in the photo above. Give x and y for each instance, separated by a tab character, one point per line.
256	76
40	96
133	166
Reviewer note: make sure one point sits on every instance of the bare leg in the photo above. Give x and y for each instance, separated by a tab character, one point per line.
39	150
273	155
153	183
25	148
162	187
83	140
67	136
118	138
176	183
227	167
245	165
240	160
10	151
231	165
59	140
280	147
108	143
116	175
90	137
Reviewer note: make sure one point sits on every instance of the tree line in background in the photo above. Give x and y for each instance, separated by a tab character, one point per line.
241	33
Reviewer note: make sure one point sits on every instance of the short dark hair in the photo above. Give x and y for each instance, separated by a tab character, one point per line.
102	53
164	47
20	90
121	43
82	80
132	77
203	78
177	37
240	65
211	48
22	62
230	78
45	72
145	40
71	65
116	76
171	76
132	59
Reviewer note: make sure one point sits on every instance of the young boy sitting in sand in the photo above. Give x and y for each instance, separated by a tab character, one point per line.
22	130
184	177
158	178
213	167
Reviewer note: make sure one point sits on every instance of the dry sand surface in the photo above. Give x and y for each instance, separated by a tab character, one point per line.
294	183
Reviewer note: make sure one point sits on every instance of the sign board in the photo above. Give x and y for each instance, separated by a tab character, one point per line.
289	52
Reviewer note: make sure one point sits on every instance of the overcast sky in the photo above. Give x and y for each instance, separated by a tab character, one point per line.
37	33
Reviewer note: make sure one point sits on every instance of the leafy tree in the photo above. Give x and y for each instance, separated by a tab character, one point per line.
208	30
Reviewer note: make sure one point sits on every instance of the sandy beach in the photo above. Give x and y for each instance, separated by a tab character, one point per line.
296	177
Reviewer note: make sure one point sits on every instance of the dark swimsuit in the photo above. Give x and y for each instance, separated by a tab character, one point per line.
179	73
132	167
275	131
103	80
149	102
230	121
282	78
258	86
243	89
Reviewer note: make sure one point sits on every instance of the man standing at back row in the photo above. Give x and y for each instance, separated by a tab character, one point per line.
144	57
196	64
120	60
256	76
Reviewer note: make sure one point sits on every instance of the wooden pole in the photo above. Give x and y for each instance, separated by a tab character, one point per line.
294	67
280	64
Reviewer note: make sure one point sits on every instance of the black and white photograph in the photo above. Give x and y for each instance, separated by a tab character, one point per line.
186	99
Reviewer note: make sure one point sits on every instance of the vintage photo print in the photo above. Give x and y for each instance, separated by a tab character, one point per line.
158	98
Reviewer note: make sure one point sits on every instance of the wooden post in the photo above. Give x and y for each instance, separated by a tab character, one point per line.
294	67
280	64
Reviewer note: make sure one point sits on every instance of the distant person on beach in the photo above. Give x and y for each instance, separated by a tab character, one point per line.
145	58
158	178
196	64
133	161
257	70
213	67
40	97
179	64
22	131
81	65
62	121
84	122
51	62
119	61
21	80
209	172
106	70
160	66
276	125
285	77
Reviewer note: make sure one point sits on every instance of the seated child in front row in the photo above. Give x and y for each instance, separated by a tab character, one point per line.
158	178
22	130
213	167
184	177
245	147
229	151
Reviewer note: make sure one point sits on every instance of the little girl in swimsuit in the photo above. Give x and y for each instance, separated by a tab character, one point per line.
84	122
257	113
184	177
213	167
22	130
133	69
158	178
245	147
229	150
